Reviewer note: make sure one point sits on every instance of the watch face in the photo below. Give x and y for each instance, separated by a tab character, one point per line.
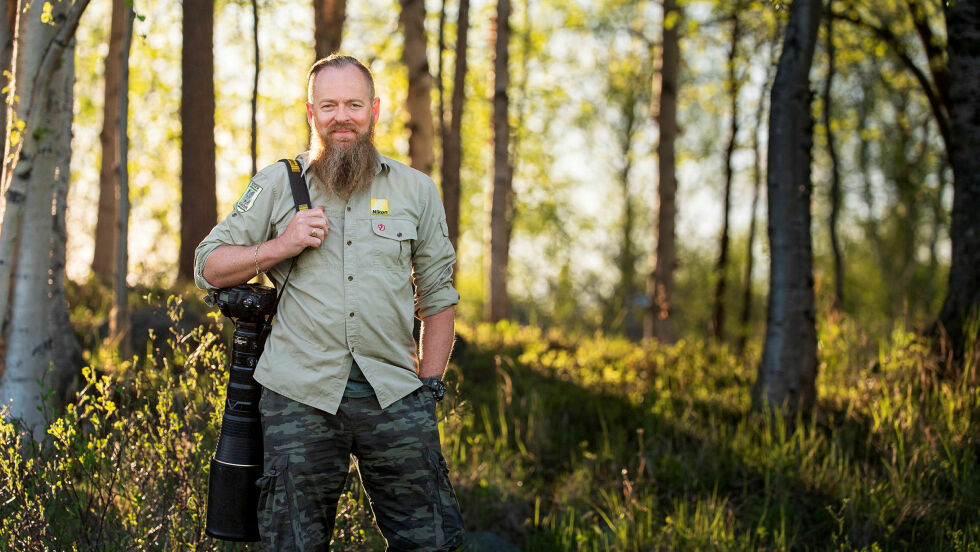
437	387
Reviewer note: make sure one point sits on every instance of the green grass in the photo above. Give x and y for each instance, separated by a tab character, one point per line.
557	443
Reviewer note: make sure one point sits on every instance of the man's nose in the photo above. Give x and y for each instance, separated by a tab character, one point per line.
342	114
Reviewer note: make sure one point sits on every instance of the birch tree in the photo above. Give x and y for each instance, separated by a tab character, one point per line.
962	304
40	349
8	18
787	373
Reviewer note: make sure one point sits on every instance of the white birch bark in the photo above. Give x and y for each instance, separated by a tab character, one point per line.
40	346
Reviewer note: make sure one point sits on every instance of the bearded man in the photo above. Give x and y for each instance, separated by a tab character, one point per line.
340	373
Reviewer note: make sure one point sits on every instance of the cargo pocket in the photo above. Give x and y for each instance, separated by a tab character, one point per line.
276	509
449	520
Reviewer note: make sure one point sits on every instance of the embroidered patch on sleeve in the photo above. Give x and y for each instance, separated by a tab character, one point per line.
248	197
379	206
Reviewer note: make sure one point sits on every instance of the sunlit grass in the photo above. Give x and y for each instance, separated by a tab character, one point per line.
556	442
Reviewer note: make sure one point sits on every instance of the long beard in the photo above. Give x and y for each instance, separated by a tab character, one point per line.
343	170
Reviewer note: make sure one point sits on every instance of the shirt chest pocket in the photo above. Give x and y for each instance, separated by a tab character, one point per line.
391	241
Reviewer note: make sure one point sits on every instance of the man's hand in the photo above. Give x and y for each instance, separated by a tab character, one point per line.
306	229
230	265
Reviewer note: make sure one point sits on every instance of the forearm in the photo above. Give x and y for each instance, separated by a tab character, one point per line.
438	334
230	265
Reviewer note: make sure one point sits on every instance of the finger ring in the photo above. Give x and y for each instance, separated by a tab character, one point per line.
313	233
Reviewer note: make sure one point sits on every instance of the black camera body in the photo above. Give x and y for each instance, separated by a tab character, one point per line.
237	462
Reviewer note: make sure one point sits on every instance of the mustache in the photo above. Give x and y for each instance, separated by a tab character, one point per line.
333	127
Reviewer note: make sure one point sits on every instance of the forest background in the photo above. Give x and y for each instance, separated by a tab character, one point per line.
612	388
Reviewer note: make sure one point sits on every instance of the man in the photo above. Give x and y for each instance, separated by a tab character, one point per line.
340	373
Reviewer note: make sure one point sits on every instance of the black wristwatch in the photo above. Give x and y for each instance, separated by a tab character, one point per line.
437	387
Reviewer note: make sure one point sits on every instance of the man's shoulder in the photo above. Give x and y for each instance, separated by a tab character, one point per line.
274	173
401	171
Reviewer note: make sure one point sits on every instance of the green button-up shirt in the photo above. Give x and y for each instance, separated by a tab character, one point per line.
351	298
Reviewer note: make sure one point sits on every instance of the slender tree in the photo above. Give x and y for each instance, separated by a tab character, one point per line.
198	205
835	187
103	260
36	56
497	305
40	352
660	286
8	20
746	314
119	321
328	25
452	139
787	373
419	100
961	307
734	87
253	145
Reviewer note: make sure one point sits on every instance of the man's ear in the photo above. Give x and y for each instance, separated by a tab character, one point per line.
309	113
375	109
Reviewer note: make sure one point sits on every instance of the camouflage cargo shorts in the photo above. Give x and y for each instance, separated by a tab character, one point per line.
399	460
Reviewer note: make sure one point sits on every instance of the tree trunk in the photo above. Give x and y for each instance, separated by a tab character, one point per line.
746	315
788	369
198	205
37	54
253	144
8	22
41	352
961	307
721	267
835	189
452	141
328	26
419	101
660	286
119	322
103	261
619	311
497	306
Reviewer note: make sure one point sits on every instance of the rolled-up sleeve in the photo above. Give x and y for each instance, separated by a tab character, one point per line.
433	258
249	223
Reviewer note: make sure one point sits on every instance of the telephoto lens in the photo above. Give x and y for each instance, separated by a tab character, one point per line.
237	462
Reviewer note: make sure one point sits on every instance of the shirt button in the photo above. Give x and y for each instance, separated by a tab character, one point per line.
399	234
349	242
352	315
348	208
350	278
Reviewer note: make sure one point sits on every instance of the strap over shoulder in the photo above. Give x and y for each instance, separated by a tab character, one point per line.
301	194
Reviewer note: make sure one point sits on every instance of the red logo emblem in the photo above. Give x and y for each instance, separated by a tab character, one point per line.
381	227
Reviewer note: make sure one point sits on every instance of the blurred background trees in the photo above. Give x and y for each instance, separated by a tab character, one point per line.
601	161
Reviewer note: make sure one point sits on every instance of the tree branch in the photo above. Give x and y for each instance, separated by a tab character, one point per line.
939	109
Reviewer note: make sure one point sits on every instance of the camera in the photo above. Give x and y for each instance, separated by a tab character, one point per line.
237	461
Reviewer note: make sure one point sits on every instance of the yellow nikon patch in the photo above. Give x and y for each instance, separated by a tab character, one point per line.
379	206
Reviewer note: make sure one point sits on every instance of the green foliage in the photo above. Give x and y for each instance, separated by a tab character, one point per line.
600	444
556	441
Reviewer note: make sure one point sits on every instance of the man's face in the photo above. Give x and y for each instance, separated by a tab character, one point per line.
341	107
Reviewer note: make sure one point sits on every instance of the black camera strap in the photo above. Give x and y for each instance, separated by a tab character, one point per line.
301	199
